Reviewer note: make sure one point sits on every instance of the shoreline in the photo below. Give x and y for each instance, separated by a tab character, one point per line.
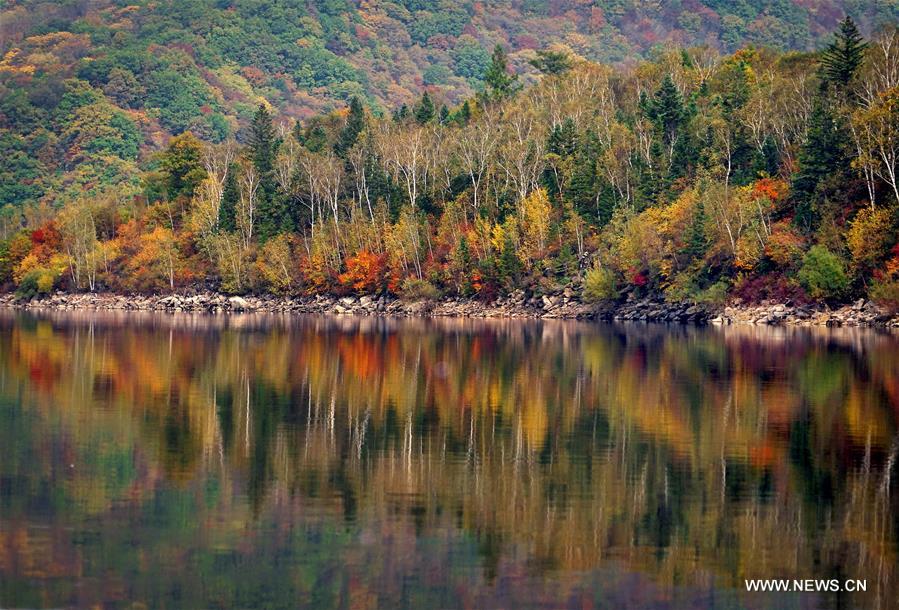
563	306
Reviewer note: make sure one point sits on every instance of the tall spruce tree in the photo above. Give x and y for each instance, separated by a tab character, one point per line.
667	110
842	58
424	110
263	147
582	188
499	81
697	242
355	123
463	114
823	163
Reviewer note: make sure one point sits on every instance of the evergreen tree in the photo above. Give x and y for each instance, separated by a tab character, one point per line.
444	115
562	140
263	146
551	62
463	115
842	58
315	138
509	263
697	242
823	163
500	83
582	189
401	114
463	264
667	110
355	123
424	110
230	197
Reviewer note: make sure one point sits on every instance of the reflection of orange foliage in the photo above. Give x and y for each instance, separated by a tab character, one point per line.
365	272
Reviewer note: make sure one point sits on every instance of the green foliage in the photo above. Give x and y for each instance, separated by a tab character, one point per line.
551	62
843	57
417	289
355	123
470	58
424	111
263	146
181	165
823	274
823	164
600	284
227	220
499	82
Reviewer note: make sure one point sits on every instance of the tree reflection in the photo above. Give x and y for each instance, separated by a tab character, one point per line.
694	457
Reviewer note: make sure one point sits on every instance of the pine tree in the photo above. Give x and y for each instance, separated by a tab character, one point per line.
355	123
562	139
582	188
444	115
667	110
551	62
424	110
696	240
500	83
228	208
509	263
401	114
463	115
263	143
842	58
823	162
263	146
315	138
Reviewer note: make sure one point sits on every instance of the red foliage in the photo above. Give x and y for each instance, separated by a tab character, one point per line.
47	235
639	279
366	272
771	287
770	188
597	18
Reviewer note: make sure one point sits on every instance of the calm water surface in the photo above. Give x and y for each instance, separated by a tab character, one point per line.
151	461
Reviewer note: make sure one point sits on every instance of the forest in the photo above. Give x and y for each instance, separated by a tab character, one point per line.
696	174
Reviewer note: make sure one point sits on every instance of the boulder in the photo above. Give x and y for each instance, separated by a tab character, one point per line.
239	304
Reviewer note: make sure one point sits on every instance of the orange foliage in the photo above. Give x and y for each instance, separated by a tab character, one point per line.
366	272
770	188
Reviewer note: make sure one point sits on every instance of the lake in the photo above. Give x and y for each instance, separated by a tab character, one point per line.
258	461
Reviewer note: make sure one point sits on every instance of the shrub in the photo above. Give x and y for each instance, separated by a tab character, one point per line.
413	288
886	294
600	284
37	282
823	274
716	294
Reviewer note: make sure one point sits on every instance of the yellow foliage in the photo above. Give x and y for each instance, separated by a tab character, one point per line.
536	215
869	236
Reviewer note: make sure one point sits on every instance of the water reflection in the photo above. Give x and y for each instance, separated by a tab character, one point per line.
263	461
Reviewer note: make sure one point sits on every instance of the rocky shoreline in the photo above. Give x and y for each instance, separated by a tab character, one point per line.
564	305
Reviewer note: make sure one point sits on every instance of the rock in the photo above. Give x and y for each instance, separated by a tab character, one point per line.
239	304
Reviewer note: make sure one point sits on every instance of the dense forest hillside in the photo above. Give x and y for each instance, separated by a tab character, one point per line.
267	146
